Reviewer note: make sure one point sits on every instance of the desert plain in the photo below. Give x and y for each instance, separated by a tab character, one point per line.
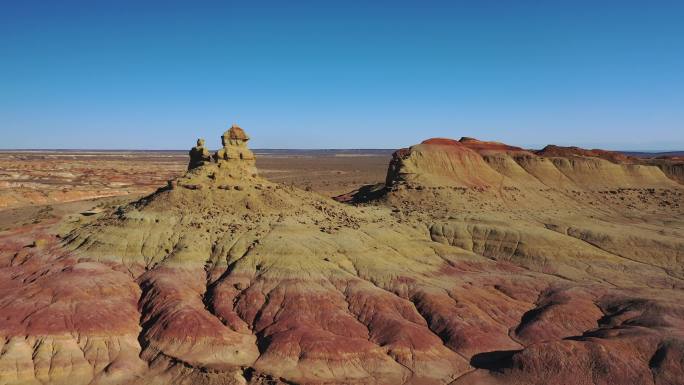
446	262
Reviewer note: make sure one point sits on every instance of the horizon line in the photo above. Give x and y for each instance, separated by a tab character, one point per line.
6	150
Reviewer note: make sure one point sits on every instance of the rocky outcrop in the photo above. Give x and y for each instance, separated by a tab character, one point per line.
199	155
234	146
233	162
234	154
673	167
440	161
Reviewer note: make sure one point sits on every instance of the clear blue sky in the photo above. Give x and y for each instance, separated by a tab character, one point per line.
341	74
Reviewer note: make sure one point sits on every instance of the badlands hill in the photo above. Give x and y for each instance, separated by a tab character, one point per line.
474	263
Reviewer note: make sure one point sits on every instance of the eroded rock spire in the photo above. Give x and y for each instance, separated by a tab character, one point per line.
234	142
199	155
232	161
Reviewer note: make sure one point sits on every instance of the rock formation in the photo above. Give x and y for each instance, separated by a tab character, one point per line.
233	161
672	166
480	264
486	146
440	161
560	151
234	145
199	155
473	163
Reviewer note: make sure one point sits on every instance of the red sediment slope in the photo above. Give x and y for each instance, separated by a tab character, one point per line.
482	146
558	151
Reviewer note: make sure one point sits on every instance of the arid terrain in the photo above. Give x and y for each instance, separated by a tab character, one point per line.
38	178
447	262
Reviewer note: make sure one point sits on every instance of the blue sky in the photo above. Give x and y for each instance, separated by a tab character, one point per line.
341	74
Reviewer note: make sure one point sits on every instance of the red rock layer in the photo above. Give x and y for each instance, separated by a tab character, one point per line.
479	145
559	151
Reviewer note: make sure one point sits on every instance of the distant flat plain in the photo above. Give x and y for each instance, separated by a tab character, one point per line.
39	184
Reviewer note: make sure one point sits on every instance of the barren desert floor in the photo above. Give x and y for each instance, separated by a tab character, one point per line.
40	184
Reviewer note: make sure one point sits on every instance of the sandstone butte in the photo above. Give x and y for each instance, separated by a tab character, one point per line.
475	263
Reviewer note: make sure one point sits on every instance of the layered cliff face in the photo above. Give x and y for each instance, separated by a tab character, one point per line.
480	264
440	162
471	163
581	216
671	166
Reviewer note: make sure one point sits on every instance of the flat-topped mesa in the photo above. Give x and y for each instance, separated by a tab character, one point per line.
233	161
471	163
